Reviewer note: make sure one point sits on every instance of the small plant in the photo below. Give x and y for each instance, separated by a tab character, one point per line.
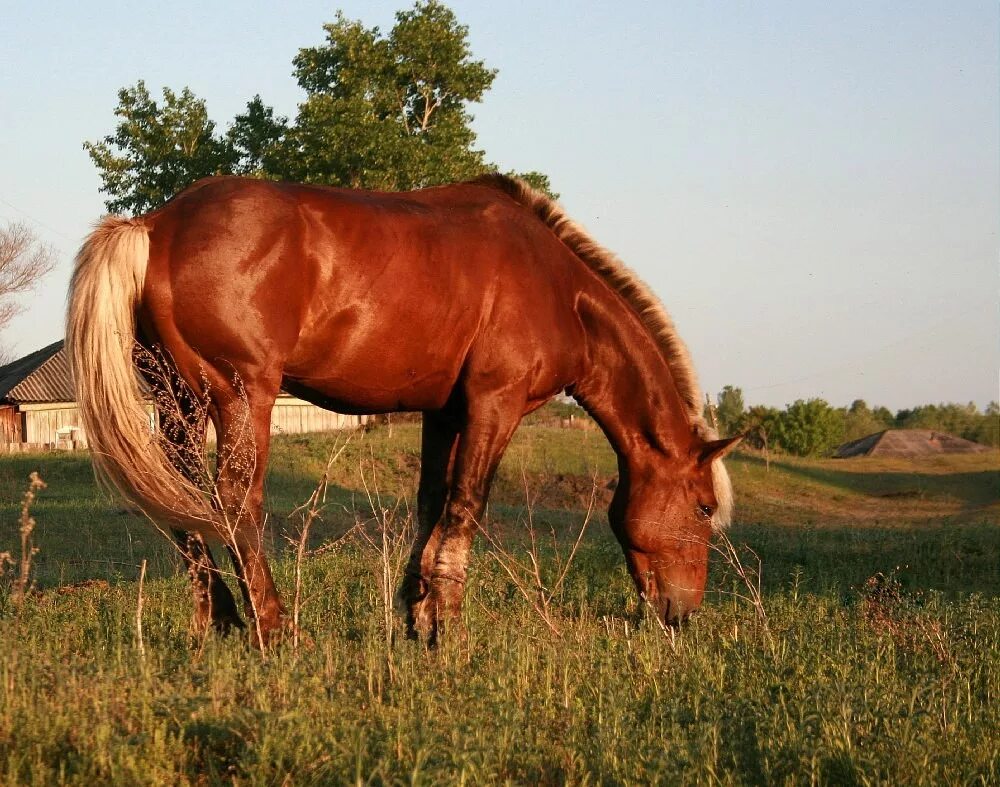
308	513
748	568
888	609
394	533
138	612
527	573
183	414
21	568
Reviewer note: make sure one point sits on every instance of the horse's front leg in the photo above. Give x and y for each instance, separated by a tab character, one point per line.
491	421
438	440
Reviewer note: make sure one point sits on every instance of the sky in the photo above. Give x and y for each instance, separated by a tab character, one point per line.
811	188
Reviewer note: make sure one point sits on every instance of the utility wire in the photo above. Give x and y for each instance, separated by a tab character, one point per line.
39	222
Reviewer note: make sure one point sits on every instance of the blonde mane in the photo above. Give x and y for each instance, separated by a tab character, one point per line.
636	293
621	278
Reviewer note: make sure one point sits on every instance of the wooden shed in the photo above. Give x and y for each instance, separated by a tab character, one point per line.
37	411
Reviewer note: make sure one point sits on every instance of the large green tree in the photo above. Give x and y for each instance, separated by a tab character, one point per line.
730	410
258	141
382	111
861	421
809	428
389	111
157	148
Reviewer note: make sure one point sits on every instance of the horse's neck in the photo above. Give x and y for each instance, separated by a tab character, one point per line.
628	387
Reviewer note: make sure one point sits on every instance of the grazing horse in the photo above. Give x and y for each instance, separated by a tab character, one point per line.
474	303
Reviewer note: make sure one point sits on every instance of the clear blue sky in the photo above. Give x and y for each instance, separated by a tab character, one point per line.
811	188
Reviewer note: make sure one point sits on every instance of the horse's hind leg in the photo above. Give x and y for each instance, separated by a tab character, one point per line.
438	439
243	424
213	601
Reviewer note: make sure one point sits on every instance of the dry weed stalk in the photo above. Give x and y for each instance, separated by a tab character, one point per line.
183	417
237	462
138	612
391	549
749	575
309	512
527	575
22	583
669	632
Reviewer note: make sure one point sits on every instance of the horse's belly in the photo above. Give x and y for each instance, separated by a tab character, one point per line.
362	394
378	371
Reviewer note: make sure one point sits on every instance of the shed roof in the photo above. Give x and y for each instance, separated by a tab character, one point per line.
41	376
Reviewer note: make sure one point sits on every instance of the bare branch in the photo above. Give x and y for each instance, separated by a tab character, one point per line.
23	261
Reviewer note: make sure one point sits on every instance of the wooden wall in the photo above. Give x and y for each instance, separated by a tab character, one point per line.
40	424
10	424
41	421
294	416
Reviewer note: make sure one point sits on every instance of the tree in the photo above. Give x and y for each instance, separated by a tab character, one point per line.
537	181
730	410
156	151
386	112
962	420
257	140
23	262
860	421
809	428
884	417
759	424
989	430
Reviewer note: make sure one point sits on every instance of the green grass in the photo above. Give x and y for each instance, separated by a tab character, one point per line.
845	685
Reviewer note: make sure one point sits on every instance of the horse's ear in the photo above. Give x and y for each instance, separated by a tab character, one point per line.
717	449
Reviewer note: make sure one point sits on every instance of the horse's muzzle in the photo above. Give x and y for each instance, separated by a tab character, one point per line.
675	609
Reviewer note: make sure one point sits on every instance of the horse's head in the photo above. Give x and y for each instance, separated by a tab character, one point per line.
663	513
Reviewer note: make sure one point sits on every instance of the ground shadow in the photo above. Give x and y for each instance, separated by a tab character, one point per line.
955	559
974	488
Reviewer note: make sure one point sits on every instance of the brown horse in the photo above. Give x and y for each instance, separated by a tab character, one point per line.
474	303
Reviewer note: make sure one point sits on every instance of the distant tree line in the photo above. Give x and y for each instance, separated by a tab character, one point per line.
813	427
387	111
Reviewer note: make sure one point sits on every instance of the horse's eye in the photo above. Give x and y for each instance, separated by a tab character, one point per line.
705	511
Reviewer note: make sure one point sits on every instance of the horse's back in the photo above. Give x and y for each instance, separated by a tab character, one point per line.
374	300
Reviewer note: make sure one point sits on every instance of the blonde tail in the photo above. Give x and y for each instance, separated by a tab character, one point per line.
100	334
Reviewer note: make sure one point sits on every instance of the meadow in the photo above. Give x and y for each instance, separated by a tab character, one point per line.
864	647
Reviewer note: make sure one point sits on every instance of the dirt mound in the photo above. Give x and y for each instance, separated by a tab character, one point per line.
908	442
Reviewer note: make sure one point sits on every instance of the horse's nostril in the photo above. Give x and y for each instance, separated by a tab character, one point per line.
672	613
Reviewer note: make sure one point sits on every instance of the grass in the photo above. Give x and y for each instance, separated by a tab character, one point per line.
855	681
